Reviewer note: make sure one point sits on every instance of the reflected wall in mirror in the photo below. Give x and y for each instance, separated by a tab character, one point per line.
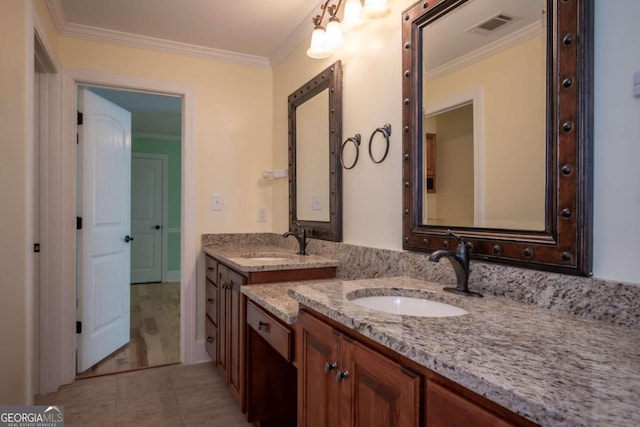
483	99
497	142
315	133
312	159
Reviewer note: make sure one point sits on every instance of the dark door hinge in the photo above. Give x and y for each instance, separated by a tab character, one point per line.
36	247
78	327
79	121
78	223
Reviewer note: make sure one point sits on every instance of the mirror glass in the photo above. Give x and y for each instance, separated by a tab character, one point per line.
497	130
315	173
312	158
484	116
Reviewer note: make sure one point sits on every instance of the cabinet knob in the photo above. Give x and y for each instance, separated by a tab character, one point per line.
209	339
210	300
341	376
330	366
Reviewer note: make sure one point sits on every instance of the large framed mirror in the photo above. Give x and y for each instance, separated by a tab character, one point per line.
315	174
497	114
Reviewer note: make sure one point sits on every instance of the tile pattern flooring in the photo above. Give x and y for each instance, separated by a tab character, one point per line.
155	331
174	395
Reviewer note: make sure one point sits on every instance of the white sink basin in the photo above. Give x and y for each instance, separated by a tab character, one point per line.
409	306
268	256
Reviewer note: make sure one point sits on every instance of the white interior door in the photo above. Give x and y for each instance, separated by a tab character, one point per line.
105	254
146	218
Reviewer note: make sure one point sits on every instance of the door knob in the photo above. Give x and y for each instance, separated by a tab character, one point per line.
128	238
156	227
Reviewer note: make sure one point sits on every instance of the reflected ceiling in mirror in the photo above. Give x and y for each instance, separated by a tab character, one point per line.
484	115
497	141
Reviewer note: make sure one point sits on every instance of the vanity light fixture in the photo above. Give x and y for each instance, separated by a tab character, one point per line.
325	41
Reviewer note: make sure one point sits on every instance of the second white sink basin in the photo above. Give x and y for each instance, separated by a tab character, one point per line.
409	306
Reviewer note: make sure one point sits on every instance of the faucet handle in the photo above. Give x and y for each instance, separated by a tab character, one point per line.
462	245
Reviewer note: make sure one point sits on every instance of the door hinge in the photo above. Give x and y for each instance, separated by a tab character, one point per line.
36	247
78	327
78	223
79	121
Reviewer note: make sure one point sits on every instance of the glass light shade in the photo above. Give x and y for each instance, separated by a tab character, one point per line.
318	49
334	39
375	8
352	18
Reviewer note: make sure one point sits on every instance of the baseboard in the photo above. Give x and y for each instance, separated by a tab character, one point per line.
200	354
173	276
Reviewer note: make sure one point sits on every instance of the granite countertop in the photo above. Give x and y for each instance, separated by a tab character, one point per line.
251	258
552	368
275	298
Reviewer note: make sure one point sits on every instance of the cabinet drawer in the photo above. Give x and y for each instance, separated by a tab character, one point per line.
211	337
211	302
212	269
276	334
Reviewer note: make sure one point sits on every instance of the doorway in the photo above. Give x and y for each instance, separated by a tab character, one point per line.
153	184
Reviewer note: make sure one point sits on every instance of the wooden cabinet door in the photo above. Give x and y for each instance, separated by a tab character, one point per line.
318	393
223	348
449	408
377	391
235	336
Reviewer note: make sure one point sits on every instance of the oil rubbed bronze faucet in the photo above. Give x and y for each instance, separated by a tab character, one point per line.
301	238
460	262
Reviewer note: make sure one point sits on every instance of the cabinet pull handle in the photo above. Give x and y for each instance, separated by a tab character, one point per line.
264	326
209	339
341	376
210	268
210	300
330	366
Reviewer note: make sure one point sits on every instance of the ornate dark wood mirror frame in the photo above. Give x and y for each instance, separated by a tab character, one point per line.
330	78
565	245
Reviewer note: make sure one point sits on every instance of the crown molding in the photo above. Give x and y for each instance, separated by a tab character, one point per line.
145	42
296	37
526	33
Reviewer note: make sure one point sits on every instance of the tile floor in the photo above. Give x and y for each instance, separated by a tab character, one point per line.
175	395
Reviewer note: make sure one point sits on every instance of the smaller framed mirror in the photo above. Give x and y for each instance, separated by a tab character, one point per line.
315	173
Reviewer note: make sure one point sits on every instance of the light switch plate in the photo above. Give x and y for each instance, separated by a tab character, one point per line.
261	215
316	203
216	202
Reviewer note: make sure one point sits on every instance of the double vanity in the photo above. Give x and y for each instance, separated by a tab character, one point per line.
298	346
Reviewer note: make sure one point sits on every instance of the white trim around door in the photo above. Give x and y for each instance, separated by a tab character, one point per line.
191	350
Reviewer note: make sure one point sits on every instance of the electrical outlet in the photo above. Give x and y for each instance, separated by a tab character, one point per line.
316	203
216	202
261	215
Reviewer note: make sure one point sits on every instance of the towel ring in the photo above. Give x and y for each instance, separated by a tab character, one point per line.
356	143
386	132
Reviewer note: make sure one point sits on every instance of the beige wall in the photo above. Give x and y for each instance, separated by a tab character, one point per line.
372	96
513	123
16	38
233	124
